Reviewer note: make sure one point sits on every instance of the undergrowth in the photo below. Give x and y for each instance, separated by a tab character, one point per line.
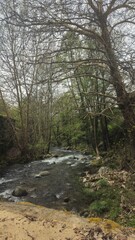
105	202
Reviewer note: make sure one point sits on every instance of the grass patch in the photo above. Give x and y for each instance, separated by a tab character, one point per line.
100	206
130	221
102	183
105	202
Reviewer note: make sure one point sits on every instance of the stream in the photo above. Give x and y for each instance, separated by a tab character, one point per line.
59	188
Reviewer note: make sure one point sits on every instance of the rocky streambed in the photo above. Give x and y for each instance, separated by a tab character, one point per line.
74	182
52	182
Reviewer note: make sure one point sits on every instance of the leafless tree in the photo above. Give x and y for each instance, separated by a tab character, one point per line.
21	70
109	24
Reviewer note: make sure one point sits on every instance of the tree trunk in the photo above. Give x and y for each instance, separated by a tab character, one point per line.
105	133
123	98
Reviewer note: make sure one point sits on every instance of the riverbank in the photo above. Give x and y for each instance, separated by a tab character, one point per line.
111	192
27	221
68	180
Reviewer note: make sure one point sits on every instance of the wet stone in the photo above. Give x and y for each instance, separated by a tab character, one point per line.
66	199
19	192
84	214
42	174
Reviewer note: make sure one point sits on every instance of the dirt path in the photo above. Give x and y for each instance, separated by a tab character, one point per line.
30	222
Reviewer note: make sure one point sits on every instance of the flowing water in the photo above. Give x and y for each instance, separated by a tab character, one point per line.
60	188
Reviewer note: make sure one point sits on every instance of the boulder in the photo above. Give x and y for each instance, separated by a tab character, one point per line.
47	155
84	213
37	176
83	159
55	155
66	199
19	192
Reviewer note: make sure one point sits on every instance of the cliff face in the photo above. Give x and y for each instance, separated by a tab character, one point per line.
27	221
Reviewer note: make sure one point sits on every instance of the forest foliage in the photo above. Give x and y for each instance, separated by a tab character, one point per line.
68	74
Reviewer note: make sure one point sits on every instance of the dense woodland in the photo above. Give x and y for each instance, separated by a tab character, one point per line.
67	75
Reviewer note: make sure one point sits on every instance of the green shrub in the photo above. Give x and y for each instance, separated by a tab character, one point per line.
102	183
90	193
114	212
104	202
131	223
100	206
